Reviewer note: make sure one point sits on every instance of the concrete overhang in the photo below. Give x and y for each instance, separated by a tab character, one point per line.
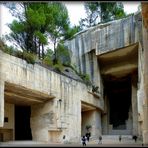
86	107
20	95
119	62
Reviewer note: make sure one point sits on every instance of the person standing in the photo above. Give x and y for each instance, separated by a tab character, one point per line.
84	141
87	136
100	140
120	138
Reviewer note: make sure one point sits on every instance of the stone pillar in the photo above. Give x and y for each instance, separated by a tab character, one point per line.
105	117
145	52
134	105
1	102
93	118
145	104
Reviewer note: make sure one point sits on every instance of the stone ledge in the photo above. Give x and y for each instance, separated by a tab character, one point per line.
94	94
55	129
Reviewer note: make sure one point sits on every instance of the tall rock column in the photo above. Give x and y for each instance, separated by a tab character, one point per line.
134	105
145	46
1	102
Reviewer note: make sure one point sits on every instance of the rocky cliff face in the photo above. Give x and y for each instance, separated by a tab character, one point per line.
104	38
87	45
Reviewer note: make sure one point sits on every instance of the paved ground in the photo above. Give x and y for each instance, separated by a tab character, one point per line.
39	144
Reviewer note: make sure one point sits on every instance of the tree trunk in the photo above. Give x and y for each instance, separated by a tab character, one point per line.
42	51
35	45
55	53
39	51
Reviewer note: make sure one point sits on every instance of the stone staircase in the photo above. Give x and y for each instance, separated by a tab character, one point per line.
114	139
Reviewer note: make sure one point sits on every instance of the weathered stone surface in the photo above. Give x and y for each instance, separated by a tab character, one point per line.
61	105
100	42
105	37
42	89
145	53
145	14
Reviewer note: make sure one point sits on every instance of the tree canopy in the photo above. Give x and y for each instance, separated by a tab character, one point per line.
101	12
38	22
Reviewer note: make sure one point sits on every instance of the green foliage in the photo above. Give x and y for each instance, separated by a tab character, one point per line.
85	78
48	61
59	67
61	22
29	57
7	49
100	12
17	27
95	89
63	54
92	13
48	58
36	17
49	52
36	23
88	127
10	50
18	34
41	37
2	45
19	54
70	32
118	11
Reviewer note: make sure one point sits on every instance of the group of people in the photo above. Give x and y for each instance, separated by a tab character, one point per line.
86	138
134	138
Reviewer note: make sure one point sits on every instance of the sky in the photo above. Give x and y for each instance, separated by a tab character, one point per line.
75	9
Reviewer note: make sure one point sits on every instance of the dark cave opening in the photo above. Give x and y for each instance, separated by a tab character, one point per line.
119	95
22	123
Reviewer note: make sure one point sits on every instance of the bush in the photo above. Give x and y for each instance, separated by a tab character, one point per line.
48	58
95	89
2	45
85	78
29	57
63	54
48	61
59	67
7	49
19	54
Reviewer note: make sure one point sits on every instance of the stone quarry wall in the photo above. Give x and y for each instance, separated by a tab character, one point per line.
104	38
55	118
9	123
88	44
52	117
145	72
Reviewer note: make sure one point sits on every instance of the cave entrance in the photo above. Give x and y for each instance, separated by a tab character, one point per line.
119	95
22	123
87	115
119	70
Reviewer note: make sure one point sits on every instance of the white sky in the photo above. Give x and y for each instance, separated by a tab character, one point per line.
75	10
